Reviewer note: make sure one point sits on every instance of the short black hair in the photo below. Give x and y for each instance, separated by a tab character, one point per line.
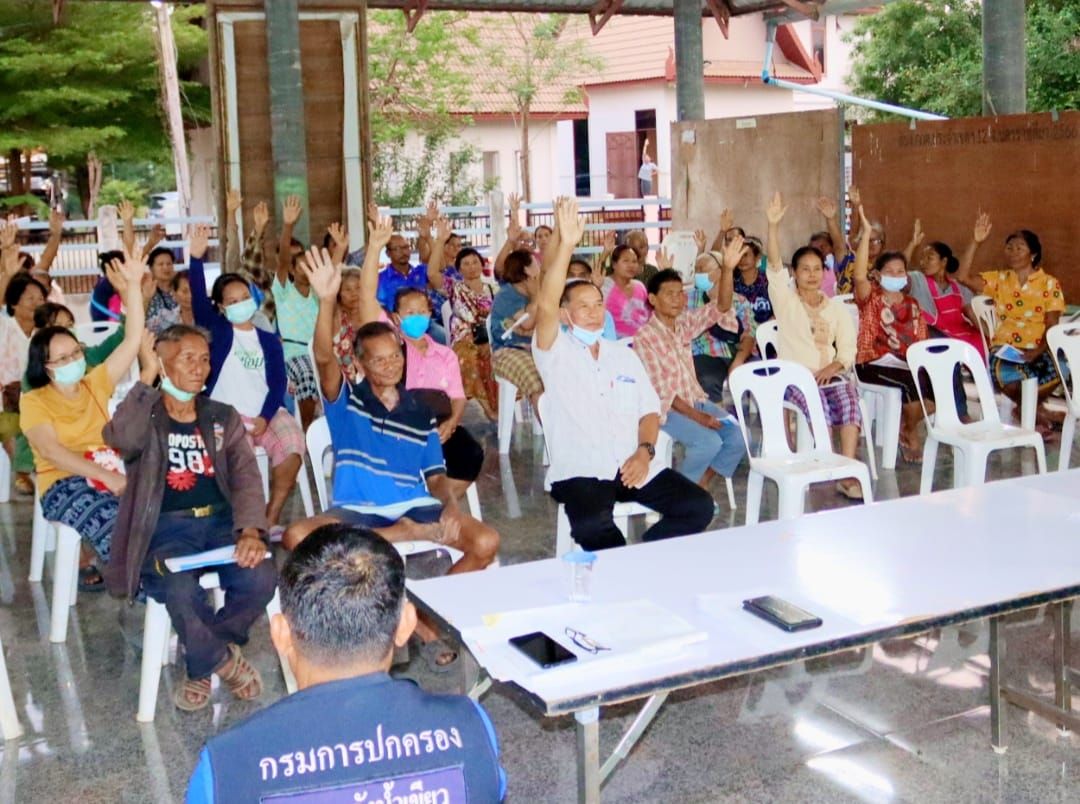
822	236
45	315
803	251
573	284
515	264
579	261
952	264
372	329
157	252
405	292
36	374
468	251
105	257
17	287
178	277
662	278
217	292
1033	243
342	592
887	257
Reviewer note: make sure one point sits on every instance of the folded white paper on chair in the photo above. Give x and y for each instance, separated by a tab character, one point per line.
207	558
889	360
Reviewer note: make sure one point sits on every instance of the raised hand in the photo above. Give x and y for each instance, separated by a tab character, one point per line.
338	234
733	251
9	230
571	225
854	196
125	210
609	240
776	209
380	231
291	210
56	223
198	240
372	211
134	267
233	201
322	273
826	206
917	233
261	215
513	231
149	288
431	213
982	227
147	356
157	234
700	240
664	261
443	229
727	219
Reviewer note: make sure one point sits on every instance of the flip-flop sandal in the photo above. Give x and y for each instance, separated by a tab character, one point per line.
243	680
853	491
910	454
193	694
91	580
437	650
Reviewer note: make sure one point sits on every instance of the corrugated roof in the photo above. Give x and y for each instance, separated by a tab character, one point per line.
631	7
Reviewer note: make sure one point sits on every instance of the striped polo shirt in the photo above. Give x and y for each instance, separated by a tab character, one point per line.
381	457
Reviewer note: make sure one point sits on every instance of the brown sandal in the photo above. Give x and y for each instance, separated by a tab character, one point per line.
243	680
193	694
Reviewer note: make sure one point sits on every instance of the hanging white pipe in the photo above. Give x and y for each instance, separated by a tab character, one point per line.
766	76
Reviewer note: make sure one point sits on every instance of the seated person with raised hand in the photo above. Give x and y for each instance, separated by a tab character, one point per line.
351	732
192	485
389	472
603	414
718	351
63	417
712	440
432	371
247	371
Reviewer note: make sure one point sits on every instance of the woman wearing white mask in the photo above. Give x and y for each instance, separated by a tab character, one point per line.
63	417
247	371
890	320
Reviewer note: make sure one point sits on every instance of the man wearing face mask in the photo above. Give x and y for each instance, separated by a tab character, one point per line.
247	371
603	414
193	485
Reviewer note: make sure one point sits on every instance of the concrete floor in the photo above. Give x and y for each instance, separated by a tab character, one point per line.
905	721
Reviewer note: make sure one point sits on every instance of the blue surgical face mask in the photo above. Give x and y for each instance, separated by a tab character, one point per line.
702	282
587	336
169	387
241	312
894	283
71	373
414	326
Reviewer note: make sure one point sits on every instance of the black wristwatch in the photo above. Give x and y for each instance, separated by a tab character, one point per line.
649	448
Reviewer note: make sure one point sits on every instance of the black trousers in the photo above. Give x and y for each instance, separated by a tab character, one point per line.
205	633
464	455
684	507
711	373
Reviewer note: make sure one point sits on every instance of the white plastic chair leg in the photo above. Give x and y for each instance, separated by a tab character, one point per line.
65	580
889	430
929	461
305	489
472	497
9	718
1040	456
39	542
272	608
1029	402
755	486
871	458
263	460
156	629
507	403
730	494
1068	432
5	477
792	499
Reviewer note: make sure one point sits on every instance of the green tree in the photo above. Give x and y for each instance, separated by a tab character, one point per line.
90	83
927	54
534	52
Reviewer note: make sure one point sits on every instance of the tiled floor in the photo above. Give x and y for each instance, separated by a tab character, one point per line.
906	721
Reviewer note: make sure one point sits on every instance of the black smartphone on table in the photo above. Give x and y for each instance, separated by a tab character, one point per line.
781	613
542	649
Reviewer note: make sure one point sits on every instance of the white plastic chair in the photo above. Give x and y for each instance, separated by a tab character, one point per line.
508	405
986	320
94	333
155	651
446	312
42	540
767	382
1064	340
319	448
767	335
972	443
9	718
46	537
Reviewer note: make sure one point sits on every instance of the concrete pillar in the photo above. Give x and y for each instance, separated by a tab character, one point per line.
689	61
287	127
1004	57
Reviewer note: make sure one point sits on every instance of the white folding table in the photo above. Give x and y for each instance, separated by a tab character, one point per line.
873	572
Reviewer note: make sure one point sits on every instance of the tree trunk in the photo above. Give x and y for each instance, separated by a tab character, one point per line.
526	173
16	183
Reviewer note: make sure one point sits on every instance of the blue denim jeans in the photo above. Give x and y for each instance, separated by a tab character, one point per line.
721	450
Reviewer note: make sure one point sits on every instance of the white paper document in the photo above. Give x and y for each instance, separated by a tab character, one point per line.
207	558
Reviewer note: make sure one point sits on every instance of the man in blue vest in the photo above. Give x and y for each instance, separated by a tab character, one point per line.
351	732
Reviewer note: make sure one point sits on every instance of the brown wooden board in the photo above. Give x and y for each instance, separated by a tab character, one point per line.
739	162
1024	170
